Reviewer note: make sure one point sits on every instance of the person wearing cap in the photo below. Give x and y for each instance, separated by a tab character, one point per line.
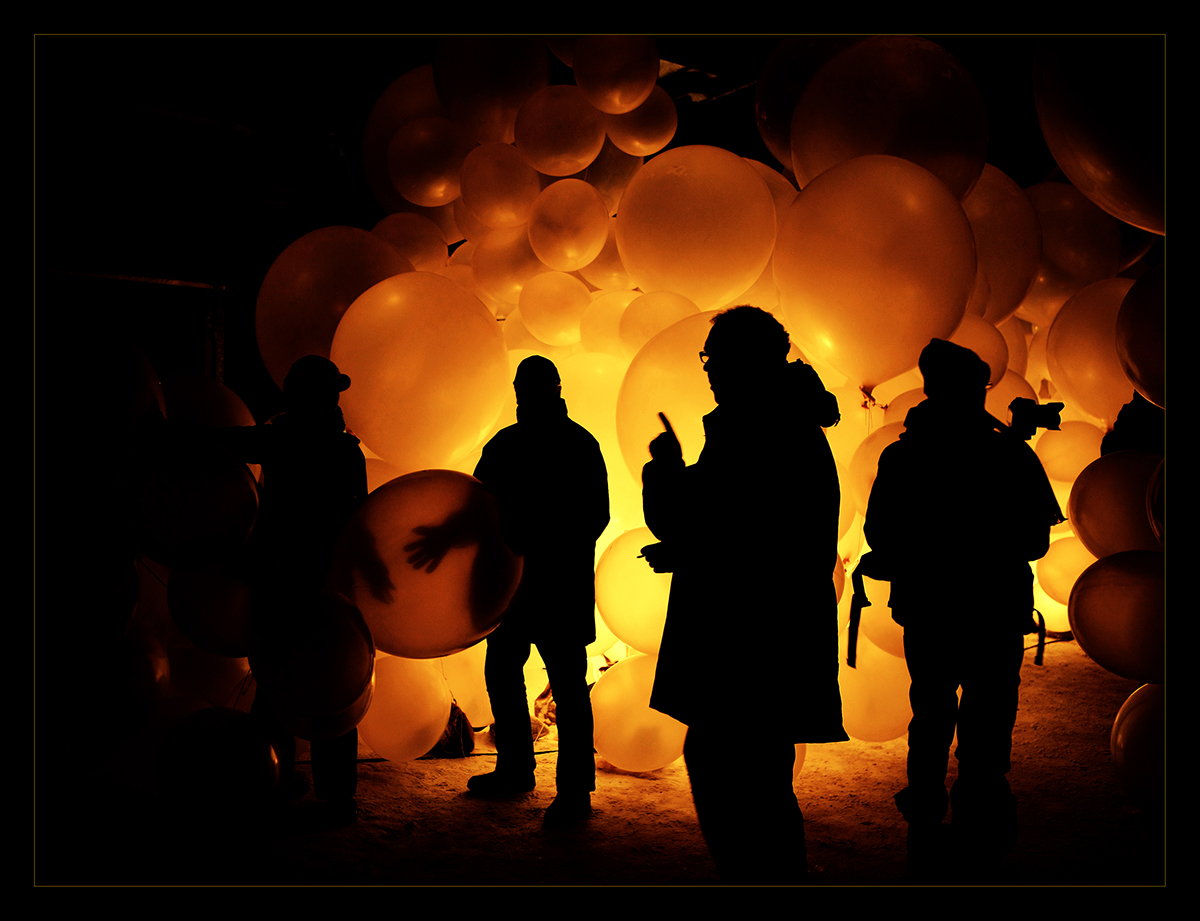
959	507
548	476
313	477
750	532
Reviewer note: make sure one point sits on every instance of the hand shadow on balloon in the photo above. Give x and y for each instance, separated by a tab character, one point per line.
475	525
359	552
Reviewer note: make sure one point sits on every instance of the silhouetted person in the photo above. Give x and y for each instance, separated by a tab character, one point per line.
958	509
750	531
549	479
314	476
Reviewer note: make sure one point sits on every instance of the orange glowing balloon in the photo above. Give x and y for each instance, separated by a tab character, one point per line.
503	262
1000	396
611	172
558	132
897	95
1008	241
615	72
424	158
1117	611
607	272
698	221
410	96
1141	336
1068	451
877	624
417	238
1137	745
551	306
310	285
864	466
646	130
413	612
628	734
600	325
876	258
1081	350
568	225
463	672
1060	568
428	367
649	315
498	186
632	597
1107	507
410	709
875	705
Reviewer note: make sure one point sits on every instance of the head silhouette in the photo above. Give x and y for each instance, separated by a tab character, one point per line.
314	381
953	374
536	381
744	352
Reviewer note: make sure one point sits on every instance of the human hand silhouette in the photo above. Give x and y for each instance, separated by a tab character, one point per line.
666	447
659	557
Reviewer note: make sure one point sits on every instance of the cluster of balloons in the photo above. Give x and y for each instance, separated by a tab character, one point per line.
524	217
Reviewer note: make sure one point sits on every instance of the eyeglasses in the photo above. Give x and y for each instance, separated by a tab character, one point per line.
704	358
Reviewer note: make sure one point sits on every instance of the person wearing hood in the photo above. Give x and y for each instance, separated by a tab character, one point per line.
750	532
958	509
548	476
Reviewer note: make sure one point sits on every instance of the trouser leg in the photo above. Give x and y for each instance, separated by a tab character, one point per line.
933	694
566	667
507	652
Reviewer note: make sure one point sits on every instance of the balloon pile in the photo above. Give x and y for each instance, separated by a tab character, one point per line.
529	217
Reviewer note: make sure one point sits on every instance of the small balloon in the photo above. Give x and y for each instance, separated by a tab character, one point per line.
1138	744
616	72
1117	611
558	132
628	733
632	598
568	225
410	709
1107	507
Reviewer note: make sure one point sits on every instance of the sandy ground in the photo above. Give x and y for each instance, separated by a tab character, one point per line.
417	828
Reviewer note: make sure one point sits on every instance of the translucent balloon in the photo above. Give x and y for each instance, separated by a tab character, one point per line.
875	705
424	157
897	95
1081	350
1096	104
1008	241
310	285
649	315
1061	567
698	221
666	376
616	72
552	305
485	79
1000	397
644	131
410	96
877	624
498	186
1138	748
1055	613
607	271
428	367
875	259
1080	244
417	238
611	172
632	597
313	659
1141	336
410	710
1068	451
1117	611
558	132
865	463
1018	348
463	672
412	612
568	225
503	262
600	325
628	734
1107	508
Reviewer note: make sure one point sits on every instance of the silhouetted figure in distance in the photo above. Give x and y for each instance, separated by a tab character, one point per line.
550	482
314	476
959	507
750	531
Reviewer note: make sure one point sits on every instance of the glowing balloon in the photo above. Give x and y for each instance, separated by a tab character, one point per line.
875	705
552	305
606	271
1107	507
647	316
410	96
412	612
417	238
865	463
877	624
428	368
424	158
600	325
1080	245
485	79
896	95
1008	241
1000	396
1141	336
1061	567
1055	613
616	72
1018	349
463	672
503	262
698	221
498	186
632	597
558	132
568	225
1068	451
1096	103
628	733
875	259
410	710
1117	611
313	660
646	130
1081	350
1137	745
611	172
310	285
